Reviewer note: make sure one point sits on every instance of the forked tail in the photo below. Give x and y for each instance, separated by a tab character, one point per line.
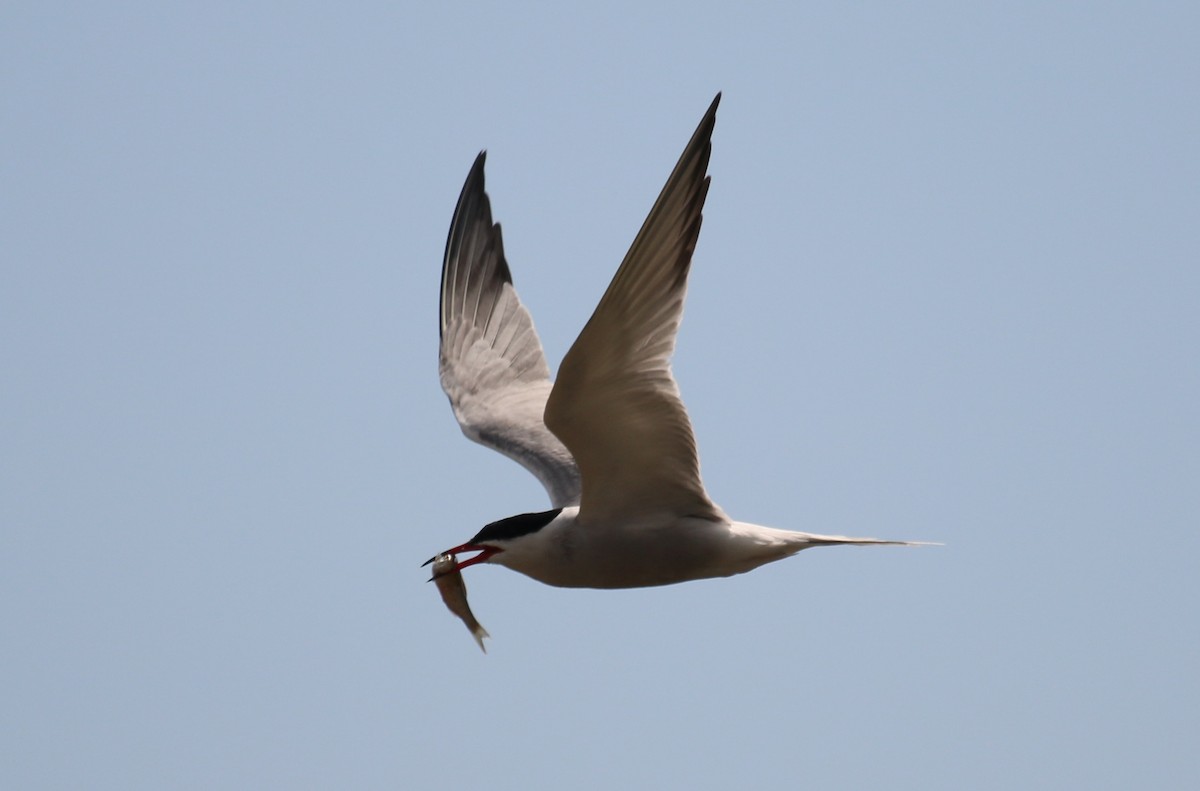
815	540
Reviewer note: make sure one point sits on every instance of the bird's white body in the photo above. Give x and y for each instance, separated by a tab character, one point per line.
655	549
610	439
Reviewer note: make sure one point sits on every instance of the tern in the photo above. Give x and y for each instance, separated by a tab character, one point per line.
610	439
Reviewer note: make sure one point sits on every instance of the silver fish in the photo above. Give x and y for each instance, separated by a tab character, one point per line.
454	592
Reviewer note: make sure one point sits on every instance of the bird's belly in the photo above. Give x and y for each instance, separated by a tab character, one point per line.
640	558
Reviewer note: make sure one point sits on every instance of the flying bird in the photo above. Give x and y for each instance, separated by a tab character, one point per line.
610	439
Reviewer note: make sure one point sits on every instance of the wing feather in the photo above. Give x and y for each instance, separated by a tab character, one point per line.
491	362
616	405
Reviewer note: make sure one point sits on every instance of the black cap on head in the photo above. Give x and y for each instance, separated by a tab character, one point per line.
515	526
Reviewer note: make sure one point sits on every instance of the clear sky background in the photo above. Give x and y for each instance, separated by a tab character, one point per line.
948	288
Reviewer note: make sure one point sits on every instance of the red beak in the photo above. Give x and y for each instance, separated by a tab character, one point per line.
484	554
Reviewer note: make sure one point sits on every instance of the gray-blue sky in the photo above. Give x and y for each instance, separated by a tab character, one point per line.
946	289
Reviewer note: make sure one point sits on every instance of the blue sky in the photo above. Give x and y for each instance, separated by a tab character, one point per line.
946	289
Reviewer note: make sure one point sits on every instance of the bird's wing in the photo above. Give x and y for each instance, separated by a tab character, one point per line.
491	362
616	405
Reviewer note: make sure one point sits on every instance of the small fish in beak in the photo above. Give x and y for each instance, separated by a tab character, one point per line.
450	584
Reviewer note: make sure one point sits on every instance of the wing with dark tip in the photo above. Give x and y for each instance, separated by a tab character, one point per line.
491	362
616	405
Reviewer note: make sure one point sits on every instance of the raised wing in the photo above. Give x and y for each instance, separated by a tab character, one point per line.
491	362
616	405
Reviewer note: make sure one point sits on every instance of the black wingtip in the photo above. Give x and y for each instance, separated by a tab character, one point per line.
701	138
710	115
474	181
472	207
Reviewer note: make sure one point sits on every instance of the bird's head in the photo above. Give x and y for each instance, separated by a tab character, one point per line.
507	534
